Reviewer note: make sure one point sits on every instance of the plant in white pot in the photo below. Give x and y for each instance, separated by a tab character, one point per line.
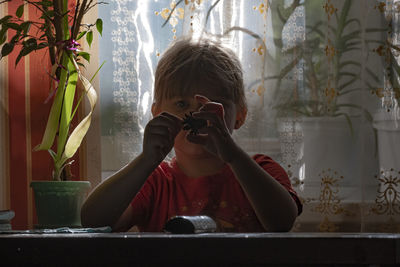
330	75
387	118
58	30
383	213
320	116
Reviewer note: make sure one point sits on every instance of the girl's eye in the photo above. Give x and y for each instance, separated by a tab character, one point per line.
181	104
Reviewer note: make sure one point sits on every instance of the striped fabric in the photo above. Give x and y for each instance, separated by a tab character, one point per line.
24	89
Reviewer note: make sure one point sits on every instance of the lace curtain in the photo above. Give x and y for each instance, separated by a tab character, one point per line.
322	85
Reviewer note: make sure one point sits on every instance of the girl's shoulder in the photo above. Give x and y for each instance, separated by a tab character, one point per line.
271	166
262	157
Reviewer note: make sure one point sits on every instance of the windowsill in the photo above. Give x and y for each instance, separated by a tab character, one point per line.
201	249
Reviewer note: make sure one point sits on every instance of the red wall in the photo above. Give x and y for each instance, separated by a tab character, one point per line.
28	88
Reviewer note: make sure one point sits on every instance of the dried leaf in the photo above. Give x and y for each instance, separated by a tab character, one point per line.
76	137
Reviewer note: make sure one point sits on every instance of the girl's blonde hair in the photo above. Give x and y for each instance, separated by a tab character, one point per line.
190	64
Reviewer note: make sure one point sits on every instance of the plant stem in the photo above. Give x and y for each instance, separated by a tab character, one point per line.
58	11
78	21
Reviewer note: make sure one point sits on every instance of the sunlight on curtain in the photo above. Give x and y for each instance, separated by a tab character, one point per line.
131	44
4	183
4	186
322	84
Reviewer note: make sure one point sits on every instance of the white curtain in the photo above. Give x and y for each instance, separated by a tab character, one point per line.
322	86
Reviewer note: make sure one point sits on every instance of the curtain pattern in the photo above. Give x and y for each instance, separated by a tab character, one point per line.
322	87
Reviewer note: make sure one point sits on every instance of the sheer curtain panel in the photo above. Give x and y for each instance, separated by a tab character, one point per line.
322	85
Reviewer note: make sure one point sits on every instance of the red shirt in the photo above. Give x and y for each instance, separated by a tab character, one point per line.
169	192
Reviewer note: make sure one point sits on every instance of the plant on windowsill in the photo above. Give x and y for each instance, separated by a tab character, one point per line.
58	29
320	112
387	118
330	73
389	51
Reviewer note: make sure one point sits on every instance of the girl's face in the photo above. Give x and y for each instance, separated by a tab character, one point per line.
179	106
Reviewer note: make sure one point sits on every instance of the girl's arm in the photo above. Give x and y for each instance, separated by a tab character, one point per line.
273	204
108	204
111	199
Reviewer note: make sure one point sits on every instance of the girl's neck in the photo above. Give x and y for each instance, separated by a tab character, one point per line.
198	167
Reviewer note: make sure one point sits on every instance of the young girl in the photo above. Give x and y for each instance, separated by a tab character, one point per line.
210	174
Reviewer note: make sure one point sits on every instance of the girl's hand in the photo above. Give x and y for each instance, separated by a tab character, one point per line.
215	137
159	136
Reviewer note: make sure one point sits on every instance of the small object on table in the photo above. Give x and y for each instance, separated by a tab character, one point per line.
193	124
190	225
5	219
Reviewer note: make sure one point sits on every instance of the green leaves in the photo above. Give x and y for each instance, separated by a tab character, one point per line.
80	35
28	47
7	49
77	135
46	3
85	55
11	25
21	36
89	38
55	111
20	11
89	32
3	36
25	27
99	26
61	115
52	31
5	19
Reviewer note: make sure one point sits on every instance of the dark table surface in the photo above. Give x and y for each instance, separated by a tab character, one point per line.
213	249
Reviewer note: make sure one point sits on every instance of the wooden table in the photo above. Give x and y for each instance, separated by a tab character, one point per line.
151	249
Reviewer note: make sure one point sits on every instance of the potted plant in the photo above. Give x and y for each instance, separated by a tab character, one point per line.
58	30
331	75
387	118
320	117
382	213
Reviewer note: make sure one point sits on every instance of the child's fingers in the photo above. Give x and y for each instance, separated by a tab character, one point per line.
173	123
215	107
201	99
160	130
166	119
171	117
208	105
176	121
211	139
159	140
212	117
